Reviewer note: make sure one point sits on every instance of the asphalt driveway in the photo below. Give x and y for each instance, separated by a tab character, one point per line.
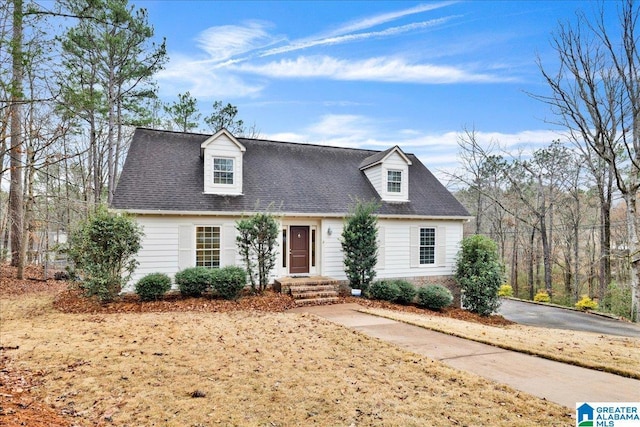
531	314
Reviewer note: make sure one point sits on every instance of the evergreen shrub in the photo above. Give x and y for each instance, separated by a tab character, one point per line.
434	297
229	281
193	281
153	286
479	274
407	292
386	290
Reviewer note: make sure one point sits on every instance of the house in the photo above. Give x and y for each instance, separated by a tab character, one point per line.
188	190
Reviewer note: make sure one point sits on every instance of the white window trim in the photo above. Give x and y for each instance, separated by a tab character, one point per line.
440	251
434	246
219	244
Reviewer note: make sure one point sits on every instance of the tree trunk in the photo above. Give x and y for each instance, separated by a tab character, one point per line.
16	153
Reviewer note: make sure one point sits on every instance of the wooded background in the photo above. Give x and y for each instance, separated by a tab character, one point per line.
76	77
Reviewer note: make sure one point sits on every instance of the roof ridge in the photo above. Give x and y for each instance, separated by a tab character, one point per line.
370	150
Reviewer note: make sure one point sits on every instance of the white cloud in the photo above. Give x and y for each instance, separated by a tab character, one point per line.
226	41
382	18
380	69
346	38
183	74
439	152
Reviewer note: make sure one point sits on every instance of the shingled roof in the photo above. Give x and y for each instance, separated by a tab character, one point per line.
163	172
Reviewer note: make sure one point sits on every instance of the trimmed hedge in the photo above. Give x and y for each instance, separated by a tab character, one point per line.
434	297
193	281
153	286
386	290
229	281
407	292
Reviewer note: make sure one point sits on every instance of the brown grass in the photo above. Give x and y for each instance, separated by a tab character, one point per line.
619	355
242	368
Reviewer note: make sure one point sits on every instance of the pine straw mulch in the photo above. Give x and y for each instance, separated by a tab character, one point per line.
19	408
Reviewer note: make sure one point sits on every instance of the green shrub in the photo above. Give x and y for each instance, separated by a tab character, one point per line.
229	281
407	292
434	297
360	245
618	299
386	290
153	286
102	251
193	281
586	303
479	274
505	291
542	296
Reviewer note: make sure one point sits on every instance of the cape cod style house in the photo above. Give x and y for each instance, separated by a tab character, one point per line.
188	190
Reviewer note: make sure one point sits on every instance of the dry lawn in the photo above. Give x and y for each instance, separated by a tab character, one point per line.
620	355
243	368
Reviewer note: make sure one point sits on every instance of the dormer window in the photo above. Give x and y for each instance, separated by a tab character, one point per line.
222	171
222	164
394	181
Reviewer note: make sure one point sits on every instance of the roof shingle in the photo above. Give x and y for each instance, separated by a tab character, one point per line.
164	172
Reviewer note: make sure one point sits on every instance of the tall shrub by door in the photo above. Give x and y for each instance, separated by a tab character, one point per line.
360	246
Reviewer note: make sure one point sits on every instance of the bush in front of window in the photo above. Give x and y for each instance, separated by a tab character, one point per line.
153	286
479	274
229	281
193	281
407	292
386	290
434	297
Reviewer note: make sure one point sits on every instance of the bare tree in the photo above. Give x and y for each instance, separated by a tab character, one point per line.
596	96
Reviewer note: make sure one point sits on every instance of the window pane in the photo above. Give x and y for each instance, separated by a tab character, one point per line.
427	246
222	171
208	247
394	181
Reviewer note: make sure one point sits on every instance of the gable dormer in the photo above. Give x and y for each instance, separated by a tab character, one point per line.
222	155
388	172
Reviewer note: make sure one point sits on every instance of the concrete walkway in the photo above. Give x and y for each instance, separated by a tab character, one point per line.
557	382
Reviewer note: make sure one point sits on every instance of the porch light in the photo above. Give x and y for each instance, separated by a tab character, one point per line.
329	231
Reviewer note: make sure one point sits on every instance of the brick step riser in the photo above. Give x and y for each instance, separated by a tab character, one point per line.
316	301
312	288
308	295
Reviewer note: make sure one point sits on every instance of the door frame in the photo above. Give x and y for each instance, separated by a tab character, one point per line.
307	247
313	252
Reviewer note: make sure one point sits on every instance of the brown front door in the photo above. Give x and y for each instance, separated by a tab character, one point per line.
299	250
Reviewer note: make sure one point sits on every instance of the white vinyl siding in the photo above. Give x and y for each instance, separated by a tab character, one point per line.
169	245
398	248
222	167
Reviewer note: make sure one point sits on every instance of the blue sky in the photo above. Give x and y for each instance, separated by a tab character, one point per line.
370	74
